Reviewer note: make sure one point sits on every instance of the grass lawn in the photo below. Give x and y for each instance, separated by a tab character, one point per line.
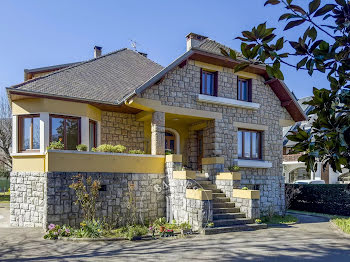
5	197
343	224
287	219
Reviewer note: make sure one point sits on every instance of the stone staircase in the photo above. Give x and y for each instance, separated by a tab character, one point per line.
226	217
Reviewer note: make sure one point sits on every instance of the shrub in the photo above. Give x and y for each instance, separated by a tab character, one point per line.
87	193
333	199
135	231
343	224
89	229
82	147
245	188
138	151
110	148
56	145
185	225
55	231
234	168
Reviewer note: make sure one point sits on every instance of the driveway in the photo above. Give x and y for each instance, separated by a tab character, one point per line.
313	239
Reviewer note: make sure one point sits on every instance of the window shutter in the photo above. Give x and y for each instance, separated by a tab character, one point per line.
201	84
216	84
250	90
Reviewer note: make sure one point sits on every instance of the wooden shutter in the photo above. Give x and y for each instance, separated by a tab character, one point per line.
216	84
250	90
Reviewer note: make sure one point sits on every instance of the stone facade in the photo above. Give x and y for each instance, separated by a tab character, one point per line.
251	207
194	211
120	128
38	199
28	199
158	133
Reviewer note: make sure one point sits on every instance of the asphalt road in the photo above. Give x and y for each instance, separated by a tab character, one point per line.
312	239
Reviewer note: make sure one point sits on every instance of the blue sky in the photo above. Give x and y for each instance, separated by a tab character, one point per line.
42	33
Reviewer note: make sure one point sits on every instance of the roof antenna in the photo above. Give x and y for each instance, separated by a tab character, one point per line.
134	44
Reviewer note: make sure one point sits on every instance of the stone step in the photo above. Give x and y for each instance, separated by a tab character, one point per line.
223	204
202	178
215	195
226	210
216	191
220	199
235	228
232	222
204	182
228	216
209	186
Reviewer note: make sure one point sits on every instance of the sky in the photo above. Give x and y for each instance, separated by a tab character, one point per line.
41	33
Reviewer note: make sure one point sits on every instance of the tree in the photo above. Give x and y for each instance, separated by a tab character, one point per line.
328	140
5	134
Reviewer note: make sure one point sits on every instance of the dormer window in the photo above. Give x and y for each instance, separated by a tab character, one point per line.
244	90
208	83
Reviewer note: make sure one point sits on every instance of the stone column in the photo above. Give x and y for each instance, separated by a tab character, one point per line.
158	133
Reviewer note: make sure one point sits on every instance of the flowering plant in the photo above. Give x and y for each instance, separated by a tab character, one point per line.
55	231
56	145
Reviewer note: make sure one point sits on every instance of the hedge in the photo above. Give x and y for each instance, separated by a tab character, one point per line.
328	199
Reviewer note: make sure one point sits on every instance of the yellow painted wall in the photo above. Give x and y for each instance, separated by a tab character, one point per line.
75	162
33	163
93	162
36	105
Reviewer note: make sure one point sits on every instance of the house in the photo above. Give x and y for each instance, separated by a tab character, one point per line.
293	169
196	108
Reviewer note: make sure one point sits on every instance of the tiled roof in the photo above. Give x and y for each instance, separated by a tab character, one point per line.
212	46
106	79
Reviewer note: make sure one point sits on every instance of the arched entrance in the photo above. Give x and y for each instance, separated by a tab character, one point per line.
172	141
299	173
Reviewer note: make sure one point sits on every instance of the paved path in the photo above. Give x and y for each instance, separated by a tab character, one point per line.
311	240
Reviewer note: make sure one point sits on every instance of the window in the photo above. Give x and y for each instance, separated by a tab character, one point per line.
92	134
244	92
67	129
249	144
209	83
29	132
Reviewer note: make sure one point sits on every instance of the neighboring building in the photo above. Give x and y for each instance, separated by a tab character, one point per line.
293	169
196	107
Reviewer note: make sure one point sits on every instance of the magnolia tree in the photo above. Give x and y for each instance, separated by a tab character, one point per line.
5	134
324	46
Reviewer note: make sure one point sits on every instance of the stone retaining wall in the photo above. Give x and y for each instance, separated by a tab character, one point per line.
38	199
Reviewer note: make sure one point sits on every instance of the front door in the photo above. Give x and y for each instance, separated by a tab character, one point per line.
170	142
199	149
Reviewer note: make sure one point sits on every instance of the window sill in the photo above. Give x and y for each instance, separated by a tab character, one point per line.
227	102
252	163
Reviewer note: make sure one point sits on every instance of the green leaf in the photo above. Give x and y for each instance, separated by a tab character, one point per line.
325	9
302	62
341	2
270	71
279	43
241	66
285	16
233	54
314	5
297	8
271	2
294	23
312	33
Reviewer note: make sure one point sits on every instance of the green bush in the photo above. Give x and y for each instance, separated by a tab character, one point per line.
89	229
343	224
56	145
110	148
82	147
135	231
138	151
333	199
234	168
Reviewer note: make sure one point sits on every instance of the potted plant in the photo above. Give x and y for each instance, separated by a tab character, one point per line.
82	147
234	168
245	188
210	225
56	145
185	228
258	221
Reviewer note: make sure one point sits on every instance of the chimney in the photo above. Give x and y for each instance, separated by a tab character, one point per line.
97	51
193	40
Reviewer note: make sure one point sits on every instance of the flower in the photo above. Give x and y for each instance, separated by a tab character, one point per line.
55	233
52	226
150	228
82	224
60	139
67	230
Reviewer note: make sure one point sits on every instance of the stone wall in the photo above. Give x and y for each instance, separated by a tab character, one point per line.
28	199
251	207
120	128
272	198
46	198
194	211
